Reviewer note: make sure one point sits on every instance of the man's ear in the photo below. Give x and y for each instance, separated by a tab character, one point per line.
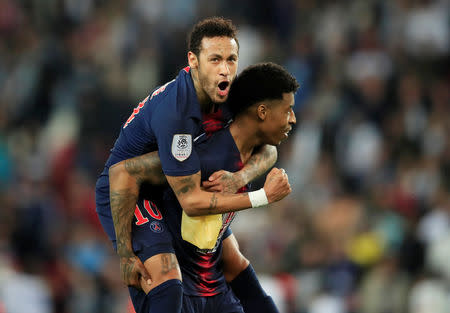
193	60
261	110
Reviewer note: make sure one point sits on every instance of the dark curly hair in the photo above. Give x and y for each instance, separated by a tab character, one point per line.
210	27
262	81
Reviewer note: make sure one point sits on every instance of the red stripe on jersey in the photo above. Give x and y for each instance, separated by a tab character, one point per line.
229	217
206	263
240	165
213	122
218	115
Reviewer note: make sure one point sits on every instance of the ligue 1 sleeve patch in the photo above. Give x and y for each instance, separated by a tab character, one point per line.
181	146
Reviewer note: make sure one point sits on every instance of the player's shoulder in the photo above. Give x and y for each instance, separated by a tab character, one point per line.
177	98
170	89
163	93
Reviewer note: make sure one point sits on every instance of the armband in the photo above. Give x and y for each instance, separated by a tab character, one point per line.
258	198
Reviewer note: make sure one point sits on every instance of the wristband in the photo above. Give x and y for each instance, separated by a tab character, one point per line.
258	198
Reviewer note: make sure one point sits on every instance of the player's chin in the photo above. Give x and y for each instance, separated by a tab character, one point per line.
274	141
283	137
285	134
220	99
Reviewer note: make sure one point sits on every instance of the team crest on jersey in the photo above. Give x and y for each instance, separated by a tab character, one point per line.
156	227
181	146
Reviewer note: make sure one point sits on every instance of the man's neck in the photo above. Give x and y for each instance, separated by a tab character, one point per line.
204	100
244	132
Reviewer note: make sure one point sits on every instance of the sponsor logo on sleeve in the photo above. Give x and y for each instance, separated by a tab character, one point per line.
181	146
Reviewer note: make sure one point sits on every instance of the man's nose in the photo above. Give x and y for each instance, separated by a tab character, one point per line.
224	68
292	118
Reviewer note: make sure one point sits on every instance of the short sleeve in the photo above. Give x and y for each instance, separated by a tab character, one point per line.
135	137
175	136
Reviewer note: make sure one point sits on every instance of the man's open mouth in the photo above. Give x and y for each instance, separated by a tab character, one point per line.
223	88
223	85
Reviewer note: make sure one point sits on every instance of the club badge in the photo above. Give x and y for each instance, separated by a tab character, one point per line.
156	227
181	146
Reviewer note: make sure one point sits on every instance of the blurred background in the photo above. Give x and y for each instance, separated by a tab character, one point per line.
367	226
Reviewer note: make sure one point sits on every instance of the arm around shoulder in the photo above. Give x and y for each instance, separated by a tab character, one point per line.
196	202
258	164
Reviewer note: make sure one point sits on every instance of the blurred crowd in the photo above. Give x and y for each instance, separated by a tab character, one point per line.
367	226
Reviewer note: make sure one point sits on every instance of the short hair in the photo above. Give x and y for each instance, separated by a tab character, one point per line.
210	27
259	82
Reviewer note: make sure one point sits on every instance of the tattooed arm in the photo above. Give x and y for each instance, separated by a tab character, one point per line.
125	179
258	164
144	168
196	201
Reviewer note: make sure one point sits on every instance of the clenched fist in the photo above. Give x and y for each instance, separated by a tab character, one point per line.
277	185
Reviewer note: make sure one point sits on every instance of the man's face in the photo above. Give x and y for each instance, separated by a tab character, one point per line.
217	66
279	119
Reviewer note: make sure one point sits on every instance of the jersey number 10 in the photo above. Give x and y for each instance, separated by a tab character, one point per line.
151	208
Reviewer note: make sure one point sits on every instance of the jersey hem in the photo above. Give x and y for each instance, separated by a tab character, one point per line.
180	173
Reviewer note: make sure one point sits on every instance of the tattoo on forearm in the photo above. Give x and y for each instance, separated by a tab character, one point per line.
212	203
168	262
127	268
123	203
260	162
184	185
145	168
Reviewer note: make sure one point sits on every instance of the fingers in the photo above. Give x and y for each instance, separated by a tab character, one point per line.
213	186
144	274
286	178
143	285
222	181
133	281
213	181
217	188
283	172
277	171
273	172
277	185
209	184
133	272
216	175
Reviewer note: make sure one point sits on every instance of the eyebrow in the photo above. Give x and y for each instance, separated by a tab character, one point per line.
215	55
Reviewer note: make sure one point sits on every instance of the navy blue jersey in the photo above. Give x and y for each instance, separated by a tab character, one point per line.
168	120
201	269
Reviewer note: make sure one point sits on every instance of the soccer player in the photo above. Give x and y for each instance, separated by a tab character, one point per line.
261	101
168	120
